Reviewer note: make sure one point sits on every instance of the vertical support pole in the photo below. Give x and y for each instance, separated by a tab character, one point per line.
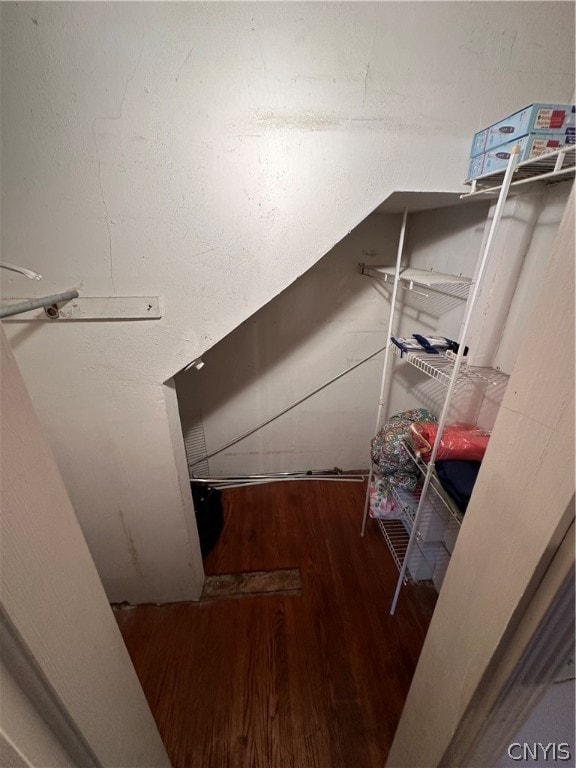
386	364
559	162
512	163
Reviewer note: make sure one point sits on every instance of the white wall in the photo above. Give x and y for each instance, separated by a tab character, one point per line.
210	153
25	738
550	722
512	283
69	693
549	207
325	322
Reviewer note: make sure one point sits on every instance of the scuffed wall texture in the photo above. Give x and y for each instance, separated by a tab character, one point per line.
210	154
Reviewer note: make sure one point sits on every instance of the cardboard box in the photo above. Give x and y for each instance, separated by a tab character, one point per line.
532	145
535	118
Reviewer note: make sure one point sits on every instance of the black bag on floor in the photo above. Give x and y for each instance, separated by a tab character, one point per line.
209	515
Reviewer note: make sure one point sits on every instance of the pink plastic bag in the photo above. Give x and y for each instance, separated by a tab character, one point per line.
382	504
462	442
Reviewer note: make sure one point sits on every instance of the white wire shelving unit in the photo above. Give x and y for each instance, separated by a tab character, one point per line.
410	538
559	165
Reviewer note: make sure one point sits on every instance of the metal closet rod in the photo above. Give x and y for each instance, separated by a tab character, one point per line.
324	479
47	301
289	408
297	473
225	481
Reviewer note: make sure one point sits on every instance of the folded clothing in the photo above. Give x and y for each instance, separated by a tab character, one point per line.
405	344
463	442
457	479
433	345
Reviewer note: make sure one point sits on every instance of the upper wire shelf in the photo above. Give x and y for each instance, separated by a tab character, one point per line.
457	286
440	367
559	165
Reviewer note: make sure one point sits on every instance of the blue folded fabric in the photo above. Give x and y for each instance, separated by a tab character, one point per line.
457	479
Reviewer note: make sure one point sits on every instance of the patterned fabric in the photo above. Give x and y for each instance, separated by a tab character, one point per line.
394	467
389	453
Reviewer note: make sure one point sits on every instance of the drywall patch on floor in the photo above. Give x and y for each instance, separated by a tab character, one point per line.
225	586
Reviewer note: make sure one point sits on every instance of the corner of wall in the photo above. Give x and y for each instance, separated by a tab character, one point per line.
175	427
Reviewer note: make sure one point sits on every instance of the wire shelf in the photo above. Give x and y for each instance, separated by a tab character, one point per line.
438	519
424	557
408	503
397	538
438	514
559	165
445	506
411	279
441	366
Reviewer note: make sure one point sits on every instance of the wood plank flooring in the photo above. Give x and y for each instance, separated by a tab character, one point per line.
310	681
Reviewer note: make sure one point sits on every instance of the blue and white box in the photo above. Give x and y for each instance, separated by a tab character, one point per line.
531	146
536	118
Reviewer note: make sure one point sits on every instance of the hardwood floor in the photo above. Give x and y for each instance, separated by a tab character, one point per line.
310	681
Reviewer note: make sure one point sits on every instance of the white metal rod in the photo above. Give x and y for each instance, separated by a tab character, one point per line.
21	270
46	301
413	290
287	480
285	410
512	163
386	364
559	161
264	475
272	475
223	481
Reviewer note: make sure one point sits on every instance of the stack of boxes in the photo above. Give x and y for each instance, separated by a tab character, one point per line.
536	129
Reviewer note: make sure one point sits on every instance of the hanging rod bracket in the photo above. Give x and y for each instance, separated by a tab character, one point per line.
80	308
13	307
52	311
